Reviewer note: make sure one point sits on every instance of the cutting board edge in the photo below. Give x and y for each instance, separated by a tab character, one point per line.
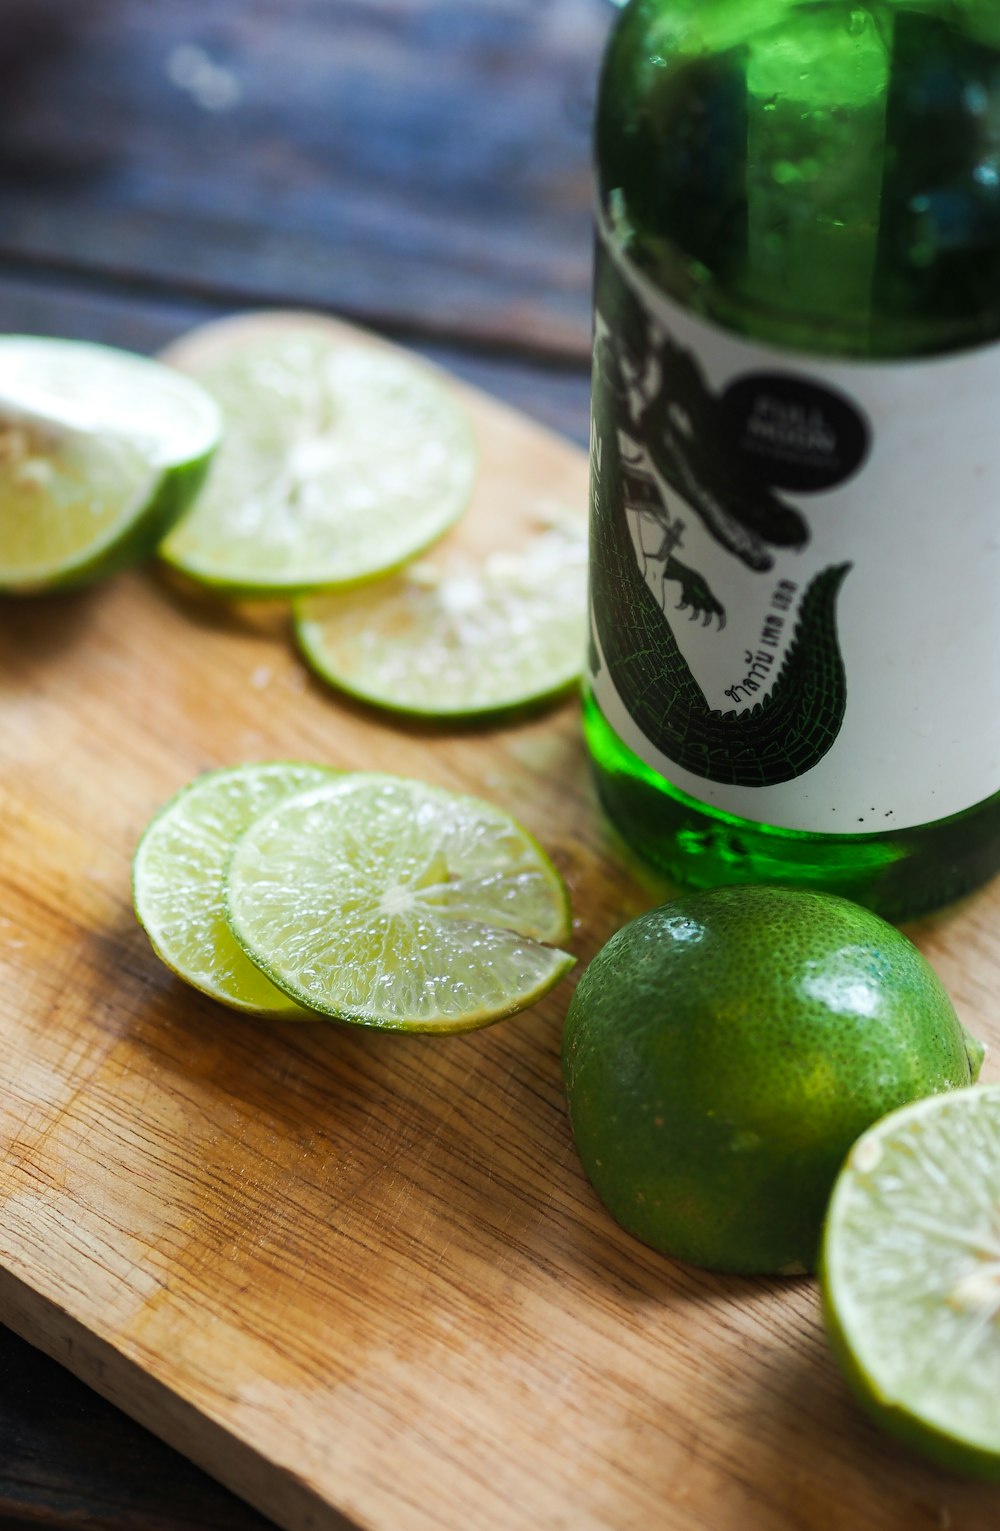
219	1452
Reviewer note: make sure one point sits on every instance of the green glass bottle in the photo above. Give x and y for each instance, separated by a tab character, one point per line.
795	447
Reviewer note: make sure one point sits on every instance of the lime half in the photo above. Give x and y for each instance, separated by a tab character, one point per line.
100	452
721	1054
177	880
340	462
387	902
449	638
911	1276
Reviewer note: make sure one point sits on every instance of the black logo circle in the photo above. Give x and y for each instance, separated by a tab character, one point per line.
794	434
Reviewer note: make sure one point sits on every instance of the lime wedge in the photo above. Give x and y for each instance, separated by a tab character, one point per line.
383	901
177	880
340	463
100	452
447	638
911	1276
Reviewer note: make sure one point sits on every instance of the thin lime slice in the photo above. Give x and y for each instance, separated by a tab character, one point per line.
911	1276
448	639
177	880
383	901
340	463
100	452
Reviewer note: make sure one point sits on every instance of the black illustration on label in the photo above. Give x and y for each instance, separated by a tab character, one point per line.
657	423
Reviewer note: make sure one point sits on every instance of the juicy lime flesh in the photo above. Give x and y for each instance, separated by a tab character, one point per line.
457	639
911	1275
384	901
723	1052
101	391
338	463
64	498
177	879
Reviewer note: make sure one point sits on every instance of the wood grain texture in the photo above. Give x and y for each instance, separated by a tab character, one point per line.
361	1278
416	166
67	1459
554	393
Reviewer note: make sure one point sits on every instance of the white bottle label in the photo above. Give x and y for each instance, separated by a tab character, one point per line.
795	568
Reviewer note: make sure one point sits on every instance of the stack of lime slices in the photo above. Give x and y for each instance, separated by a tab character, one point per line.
177	876
100	453
341	464
288	890
289	459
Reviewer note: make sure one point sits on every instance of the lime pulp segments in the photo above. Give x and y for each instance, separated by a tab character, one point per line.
910	1276
453	639
177	879
390	903
339	463
100	452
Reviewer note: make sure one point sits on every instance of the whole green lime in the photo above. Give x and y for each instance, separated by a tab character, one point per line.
722	1053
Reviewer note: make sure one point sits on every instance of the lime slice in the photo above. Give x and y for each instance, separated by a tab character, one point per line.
911	1276
100	452
340	463
446	638
177	880
386	902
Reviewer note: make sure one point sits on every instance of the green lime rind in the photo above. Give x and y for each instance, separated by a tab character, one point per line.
910	1277
228	588
133	540
389	903
723	1052
101	452
456	640
905	1425
177	874
68	503
340	463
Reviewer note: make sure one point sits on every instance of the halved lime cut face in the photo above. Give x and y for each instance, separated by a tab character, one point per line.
911	1276
177	880
387	902
65	499
450	638
340	462
100	451
103	391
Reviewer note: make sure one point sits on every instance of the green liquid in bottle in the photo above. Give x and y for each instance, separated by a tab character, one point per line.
822	179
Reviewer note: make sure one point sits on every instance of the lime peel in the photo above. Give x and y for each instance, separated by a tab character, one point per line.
451	637
67	499
100	452
722	1053
910	1277
177	874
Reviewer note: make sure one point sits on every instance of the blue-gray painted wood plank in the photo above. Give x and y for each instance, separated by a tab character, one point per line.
420	166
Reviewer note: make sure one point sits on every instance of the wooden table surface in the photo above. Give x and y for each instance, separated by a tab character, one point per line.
418	166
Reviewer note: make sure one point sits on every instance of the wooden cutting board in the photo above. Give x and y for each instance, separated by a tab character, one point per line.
361	1278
